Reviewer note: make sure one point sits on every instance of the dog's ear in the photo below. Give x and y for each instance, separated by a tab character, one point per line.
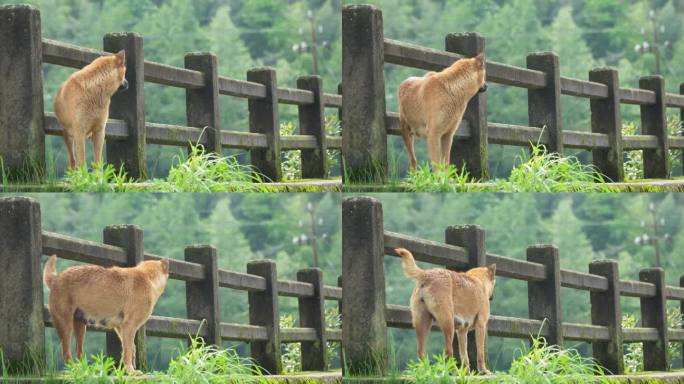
165	265
492	270
121	57
480	60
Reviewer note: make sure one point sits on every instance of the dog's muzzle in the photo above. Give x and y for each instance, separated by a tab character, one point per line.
124	86
483	88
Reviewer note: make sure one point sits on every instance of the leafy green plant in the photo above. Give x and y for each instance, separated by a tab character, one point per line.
100	370
291	353
538	363
291	161
544	171
209	172
103	178
442	179
203	363
634	352
634	160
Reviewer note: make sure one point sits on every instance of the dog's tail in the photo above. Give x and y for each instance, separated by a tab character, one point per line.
50	271
409	263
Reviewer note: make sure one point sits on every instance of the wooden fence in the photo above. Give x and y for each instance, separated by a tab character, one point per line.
365	51
366	242
24	317
24	124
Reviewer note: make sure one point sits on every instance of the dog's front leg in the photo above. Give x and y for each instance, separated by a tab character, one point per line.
480	338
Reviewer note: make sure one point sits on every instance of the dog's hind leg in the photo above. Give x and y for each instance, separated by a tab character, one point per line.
434	143
79	336
463	347
408	142
69	143
63	323
447	140
98	143
480	339
446	323
422	321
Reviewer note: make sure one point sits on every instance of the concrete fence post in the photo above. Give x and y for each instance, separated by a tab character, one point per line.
202	104
654	315
264	118
22	330
202	297
130	238
264	311
129	106
312	315
312	122
364	328
471	153
654	122
364	137
544	105
22	135
606	119
605	311
543	297
472	238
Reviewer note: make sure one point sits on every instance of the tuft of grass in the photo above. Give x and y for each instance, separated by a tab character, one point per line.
441	370
543	363
101	370
538	363
209	172
542	171
103	178
442	179
203	363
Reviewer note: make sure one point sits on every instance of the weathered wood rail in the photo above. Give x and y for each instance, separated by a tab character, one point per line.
24	317
367	122
24	124
366	242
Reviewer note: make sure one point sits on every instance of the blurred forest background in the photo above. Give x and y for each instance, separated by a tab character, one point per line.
247	33
242	227
584	227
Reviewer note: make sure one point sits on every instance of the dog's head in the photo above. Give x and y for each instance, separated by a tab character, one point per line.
115	71
491	273
157	272
480	67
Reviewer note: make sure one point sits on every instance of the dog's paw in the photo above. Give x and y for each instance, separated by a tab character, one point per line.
134	372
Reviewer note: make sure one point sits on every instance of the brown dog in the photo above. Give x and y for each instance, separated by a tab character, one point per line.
82	105
115	298
432	106
458	301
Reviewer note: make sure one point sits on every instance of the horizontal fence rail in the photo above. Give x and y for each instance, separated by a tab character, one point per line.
367	122
126	131
21	282
366	243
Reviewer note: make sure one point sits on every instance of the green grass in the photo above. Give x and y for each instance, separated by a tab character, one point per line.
535	171
103	178
543	171
538	363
